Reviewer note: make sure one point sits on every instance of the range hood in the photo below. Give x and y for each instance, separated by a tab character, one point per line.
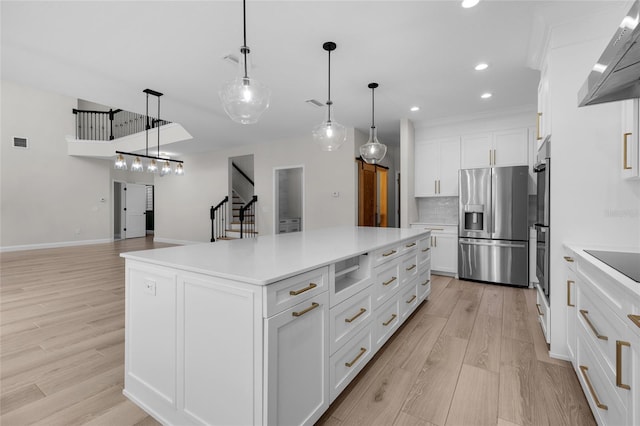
616	75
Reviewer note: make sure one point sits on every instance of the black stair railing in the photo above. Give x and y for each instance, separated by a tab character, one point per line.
218	215
248	210
112	124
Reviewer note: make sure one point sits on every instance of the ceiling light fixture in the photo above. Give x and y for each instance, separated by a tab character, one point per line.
244	99
414	108
373	151
481	66
486	95
152	167
330	135
469	3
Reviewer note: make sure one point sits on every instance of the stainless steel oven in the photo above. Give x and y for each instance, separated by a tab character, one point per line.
543	217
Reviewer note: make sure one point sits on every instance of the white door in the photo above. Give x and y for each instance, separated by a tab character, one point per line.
449	166
510	147
135	207
427	165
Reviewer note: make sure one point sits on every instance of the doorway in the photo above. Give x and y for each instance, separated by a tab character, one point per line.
130	204
288	183
372	195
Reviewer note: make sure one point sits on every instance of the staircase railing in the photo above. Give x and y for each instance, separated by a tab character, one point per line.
249	227
218	216
112	124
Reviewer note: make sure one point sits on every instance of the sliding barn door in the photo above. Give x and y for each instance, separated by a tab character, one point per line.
372	195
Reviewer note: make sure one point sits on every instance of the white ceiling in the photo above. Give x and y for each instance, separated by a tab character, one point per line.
420	52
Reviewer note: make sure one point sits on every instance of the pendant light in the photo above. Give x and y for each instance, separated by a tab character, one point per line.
330	135
373	151
244	99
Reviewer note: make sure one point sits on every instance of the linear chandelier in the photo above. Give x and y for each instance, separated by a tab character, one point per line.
152	165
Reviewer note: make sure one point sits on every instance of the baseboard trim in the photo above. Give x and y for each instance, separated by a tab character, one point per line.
54	245
174	241
559	356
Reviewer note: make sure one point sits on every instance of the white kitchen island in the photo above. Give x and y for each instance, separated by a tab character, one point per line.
265	331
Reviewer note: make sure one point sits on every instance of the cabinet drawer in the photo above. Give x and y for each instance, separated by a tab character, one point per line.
408	268
408	300
386	282
424	285
349	360
424	258
602	328
386	322
605	403
348	317
543	313
288	292
409	246
386	254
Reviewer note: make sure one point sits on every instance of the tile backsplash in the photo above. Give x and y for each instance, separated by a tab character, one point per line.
438	210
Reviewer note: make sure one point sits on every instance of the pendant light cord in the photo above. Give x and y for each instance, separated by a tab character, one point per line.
146	151
158	123
244	49
329	90
373	103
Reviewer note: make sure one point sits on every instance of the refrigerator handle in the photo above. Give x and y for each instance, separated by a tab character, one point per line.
493	203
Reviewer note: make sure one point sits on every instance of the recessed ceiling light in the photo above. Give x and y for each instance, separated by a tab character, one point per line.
481	66
415	108
486	95
469	3
599	68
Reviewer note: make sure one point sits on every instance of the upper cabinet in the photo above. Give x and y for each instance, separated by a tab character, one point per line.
495	149
630	158
436	167
543	128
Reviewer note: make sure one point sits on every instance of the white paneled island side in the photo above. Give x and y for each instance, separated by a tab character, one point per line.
265	331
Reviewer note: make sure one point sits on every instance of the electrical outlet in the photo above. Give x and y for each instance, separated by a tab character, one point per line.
150	287
335	194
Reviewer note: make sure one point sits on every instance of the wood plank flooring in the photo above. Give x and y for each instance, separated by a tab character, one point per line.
473	354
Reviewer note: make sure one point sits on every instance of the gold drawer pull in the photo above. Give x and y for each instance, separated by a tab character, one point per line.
310	308
538	135
412	299
410	267
435	229
362	311
619	345
390	320
568	259
584	313
410	245
362	352
425	250
635	319
389	253
426	282
302	290
569	282
600	405
390	281
539	311
625	166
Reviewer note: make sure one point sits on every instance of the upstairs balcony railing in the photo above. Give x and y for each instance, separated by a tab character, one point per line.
112	124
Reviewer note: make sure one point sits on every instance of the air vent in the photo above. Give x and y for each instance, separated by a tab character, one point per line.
232	58
20	143
314	102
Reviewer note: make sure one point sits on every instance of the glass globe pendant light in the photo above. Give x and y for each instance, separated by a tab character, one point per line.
330	135
136	166
373	151
244	99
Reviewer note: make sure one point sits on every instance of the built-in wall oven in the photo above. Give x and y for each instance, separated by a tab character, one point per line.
542	226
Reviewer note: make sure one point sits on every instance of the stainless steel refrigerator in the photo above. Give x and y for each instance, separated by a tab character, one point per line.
493	243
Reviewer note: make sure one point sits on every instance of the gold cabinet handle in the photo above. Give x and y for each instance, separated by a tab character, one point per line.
539	311
494	157
410	245
435	186
619	345
634	319
390	281
584	313
600	405
362	352
412	299
435	229
439	191
435	241
625	166
538	135
569	282
411	267
390	320
425	250
490	158
389	253
311	286
426	282
568	259
362	311
310	308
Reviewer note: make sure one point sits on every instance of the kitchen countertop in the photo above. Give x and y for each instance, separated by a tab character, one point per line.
625	281
271	258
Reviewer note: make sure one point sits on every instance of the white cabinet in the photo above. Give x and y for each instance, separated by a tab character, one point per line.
436	167
543	126
495	149
443	247
630	158
297	363
571	282
544	313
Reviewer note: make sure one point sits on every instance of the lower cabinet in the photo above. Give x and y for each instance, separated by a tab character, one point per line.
443	245
571	281
544	313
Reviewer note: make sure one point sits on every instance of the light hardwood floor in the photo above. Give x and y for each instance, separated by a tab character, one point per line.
473	354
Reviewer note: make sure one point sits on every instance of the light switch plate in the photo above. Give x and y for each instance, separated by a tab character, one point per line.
150	287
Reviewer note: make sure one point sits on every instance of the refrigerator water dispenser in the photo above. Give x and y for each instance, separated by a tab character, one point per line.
474	217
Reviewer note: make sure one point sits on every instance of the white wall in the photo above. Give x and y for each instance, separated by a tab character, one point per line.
590	204
47	197
408	204
182	204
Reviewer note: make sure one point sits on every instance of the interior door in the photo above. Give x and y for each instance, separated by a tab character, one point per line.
135	206
372	195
